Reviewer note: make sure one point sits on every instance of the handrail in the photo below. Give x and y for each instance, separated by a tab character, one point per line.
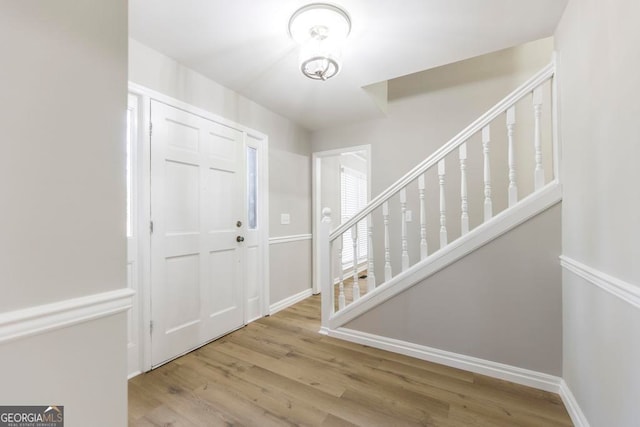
543	75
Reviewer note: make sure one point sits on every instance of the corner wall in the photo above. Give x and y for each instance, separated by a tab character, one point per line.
289	157
62	181
598	66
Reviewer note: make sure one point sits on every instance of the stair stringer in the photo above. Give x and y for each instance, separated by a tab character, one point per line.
505	221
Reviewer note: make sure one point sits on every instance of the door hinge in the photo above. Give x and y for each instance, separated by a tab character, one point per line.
151	227
150	128
151	327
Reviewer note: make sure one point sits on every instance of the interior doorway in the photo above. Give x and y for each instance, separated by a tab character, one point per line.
342	182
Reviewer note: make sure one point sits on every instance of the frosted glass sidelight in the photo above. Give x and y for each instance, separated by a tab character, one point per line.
252	188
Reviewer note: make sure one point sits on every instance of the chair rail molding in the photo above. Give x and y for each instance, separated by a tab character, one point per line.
289	239
45	318
621	289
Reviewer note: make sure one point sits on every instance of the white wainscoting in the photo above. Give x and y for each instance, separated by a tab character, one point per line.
49	317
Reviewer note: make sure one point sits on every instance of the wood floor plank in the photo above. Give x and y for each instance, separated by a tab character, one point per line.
313	379
333	421
217	370
280	371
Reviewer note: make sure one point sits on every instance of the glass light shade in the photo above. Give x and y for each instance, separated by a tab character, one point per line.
319	28
319	59
334	19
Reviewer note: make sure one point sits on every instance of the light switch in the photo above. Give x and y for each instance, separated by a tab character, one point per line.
285	219
408	216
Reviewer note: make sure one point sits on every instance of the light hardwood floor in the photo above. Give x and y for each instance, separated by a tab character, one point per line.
280	371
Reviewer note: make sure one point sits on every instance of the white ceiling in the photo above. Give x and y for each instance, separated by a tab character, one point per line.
244	45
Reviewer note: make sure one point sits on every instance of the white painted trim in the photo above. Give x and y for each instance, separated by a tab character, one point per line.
619	288
501	371
145	96
542	76
316	209
174	102
263	218
49	317
133	374
288	302
505	221
555	116
289	239
570	402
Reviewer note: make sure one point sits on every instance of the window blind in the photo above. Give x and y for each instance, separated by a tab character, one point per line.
353	197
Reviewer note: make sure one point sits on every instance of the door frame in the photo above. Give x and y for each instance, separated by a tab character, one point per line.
316	182
145	95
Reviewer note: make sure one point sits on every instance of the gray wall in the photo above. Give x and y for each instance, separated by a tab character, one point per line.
289	151
62	178
501	303
425	111
290	267
598	78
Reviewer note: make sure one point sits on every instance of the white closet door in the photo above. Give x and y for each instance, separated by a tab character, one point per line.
197	194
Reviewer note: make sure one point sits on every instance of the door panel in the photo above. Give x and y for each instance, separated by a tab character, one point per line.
197	193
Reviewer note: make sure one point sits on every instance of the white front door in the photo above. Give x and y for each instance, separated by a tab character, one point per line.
197	210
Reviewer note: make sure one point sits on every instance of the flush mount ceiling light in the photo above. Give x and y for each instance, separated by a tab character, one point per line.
320	29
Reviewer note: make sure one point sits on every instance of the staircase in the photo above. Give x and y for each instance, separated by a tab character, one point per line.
516	137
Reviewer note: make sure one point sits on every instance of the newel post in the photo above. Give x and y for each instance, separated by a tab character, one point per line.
324	264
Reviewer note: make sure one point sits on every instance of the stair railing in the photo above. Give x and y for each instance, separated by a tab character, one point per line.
336	294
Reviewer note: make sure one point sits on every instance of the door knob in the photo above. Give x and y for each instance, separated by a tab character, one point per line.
239	239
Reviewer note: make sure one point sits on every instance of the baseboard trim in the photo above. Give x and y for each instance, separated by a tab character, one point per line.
289	239
133	374
288	302
570	402
619	288
49	317
501	371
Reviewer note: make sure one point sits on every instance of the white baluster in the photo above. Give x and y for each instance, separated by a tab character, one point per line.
464	206
341	299
537	111
488	206
423	219
513	187
371	277
443	210
405	247
387	251
356	286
